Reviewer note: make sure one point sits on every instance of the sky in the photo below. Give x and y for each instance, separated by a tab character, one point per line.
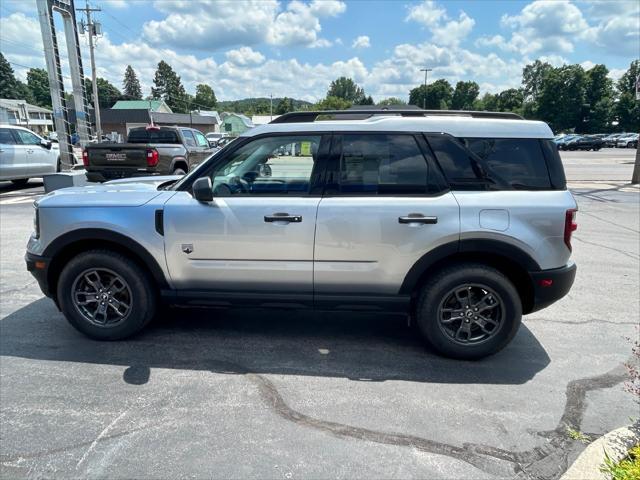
257	48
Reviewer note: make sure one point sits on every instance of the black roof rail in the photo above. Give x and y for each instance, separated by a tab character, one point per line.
305	117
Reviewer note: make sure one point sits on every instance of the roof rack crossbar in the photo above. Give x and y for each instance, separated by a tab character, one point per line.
307	117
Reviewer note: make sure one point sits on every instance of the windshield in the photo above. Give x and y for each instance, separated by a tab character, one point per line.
196	171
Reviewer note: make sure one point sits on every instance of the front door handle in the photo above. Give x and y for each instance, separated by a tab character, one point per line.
417	218
283	217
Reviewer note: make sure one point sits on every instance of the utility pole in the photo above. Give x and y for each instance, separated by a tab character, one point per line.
271	106
635	176
90	27
424	99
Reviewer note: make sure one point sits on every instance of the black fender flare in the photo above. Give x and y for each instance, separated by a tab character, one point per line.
99	234
470	246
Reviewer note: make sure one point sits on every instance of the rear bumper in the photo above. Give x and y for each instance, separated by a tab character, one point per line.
113	174
38	266
550	286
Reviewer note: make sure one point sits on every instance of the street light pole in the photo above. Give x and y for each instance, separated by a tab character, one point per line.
424	99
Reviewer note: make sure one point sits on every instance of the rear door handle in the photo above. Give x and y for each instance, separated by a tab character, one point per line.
417	218
283	217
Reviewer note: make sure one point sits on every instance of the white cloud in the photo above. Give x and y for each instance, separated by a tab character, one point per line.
428	13
244	56
220	24
445	31
361	42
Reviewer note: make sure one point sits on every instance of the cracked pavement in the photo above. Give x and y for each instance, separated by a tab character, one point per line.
281	394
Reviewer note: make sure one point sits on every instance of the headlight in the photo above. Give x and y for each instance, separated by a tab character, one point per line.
36	222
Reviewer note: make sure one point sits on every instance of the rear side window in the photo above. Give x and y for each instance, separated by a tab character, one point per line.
6	138
515	162
382	164
163	135
492	163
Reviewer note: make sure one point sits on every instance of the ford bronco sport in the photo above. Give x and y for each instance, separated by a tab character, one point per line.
460	220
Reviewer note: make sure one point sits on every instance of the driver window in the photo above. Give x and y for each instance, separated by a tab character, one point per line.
279	165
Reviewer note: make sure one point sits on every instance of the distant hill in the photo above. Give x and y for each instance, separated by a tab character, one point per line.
258	105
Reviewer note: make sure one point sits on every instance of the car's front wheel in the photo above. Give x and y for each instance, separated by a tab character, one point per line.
105	295
20	182
468	311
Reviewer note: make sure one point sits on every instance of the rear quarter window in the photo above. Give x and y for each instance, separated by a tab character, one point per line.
517	162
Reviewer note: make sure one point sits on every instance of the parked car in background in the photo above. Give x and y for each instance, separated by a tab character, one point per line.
214	137
24	155
610	140
149	150
584	142
628	141
563	140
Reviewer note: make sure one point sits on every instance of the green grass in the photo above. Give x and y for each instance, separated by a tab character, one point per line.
577	435
626	469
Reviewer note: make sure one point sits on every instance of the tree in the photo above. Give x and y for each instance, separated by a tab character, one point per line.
599	96
38	82
168	87
10	87
510	100
284	106
627	108
562	96
333	103
438	95
108	94
392	101
365	101
346	89
464	95
489	102
131	85
533	77
205	97
627	82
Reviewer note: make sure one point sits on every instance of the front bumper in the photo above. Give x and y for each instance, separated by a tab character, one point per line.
550	286
39	268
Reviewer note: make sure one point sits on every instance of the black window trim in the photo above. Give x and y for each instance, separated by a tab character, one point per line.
318	172
331	186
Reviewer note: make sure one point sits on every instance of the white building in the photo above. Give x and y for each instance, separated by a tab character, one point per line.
19	112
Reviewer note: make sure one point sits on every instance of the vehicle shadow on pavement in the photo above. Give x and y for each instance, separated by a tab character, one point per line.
359	347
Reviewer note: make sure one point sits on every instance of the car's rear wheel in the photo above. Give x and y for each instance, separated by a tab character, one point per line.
105	295
468	311
20	182
179	171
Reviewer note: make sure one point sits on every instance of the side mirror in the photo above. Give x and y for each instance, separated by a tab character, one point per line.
202	189
46	144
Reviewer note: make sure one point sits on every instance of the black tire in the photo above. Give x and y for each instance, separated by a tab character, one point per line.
142	294
179	171
59	166
439	288
20	182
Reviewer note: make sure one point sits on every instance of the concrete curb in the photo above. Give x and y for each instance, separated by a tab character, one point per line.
616	443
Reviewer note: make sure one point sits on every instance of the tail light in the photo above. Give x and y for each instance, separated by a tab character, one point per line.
152	157
570	226
85	158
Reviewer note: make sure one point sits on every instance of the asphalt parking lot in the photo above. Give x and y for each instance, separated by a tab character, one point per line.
279	394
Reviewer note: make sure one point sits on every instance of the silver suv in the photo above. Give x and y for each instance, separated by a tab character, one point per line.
461	220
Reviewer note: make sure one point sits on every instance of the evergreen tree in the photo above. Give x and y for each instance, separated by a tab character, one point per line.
168	87
131	85
38	82
205	97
